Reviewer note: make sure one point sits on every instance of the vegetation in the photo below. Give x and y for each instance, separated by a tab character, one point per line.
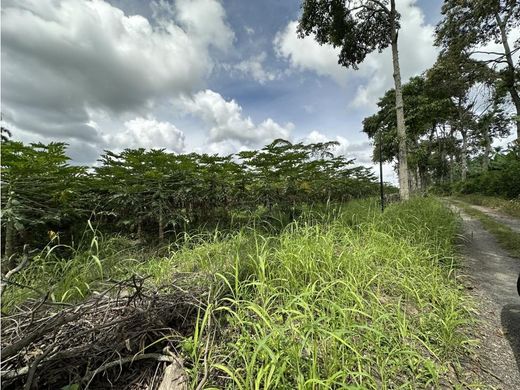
346	297
271	268
159	194
468	25
459	107
360	28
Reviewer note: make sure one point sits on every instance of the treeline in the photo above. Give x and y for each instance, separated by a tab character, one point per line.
433	128
153	193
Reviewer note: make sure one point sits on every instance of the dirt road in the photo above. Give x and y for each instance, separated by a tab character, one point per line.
512	223
491	276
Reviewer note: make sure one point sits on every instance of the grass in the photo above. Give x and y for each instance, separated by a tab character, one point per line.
369	305
507	238
507	206
351	298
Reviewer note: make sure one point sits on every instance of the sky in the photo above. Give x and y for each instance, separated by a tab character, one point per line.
208	76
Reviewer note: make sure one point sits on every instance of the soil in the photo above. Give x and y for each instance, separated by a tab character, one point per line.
491	274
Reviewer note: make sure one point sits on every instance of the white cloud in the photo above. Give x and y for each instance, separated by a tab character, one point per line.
362	152
63	59
205	21
254	68
223	148
147	133
307	54
228	122
417	53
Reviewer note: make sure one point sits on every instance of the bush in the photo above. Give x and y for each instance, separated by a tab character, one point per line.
502	178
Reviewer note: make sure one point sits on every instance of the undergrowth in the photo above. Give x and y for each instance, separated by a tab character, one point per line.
350	298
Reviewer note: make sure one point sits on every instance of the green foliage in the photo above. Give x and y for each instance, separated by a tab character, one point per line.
158	194
40	191
369	305
356	28
344	297
502	178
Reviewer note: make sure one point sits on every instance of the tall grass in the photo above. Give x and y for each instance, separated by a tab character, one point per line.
342	298
370	305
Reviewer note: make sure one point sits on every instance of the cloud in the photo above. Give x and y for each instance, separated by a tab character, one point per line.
204	20
362	152
307	54
64	59
254	67
147	133
417	53
227	122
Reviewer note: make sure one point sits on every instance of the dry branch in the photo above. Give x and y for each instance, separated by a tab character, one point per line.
51	346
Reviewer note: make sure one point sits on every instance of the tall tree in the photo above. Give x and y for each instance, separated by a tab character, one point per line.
359	27
468	25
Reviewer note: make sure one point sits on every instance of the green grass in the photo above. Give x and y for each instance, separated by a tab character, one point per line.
507	206
350	298
368	306
506	237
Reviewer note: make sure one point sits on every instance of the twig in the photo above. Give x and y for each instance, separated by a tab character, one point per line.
34	366
130	359
5	279
15	373
13	349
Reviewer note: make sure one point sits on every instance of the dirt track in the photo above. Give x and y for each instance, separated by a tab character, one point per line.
512	223
491	277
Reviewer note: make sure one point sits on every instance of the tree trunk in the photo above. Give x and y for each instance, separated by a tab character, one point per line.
140	229
404	185
161	224
464	155
510	75
450	159
487	150
418	179
9	240
10	233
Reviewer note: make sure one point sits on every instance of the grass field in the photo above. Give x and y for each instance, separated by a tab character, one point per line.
348	298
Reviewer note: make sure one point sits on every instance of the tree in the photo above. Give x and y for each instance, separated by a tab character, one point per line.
39	191
359	28
470	24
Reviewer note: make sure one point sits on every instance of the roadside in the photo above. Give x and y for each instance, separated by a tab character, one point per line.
508	207
509	221
502	227
490	273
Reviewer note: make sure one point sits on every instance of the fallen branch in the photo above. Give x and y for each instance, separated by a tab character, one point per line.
18	268
130	359
34	366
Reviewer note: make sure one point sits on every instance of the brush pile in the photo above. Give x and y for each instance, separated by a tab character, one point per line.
126	337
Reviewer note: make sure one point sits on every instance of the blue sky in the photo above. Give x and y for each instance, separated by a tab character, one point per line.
205	75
